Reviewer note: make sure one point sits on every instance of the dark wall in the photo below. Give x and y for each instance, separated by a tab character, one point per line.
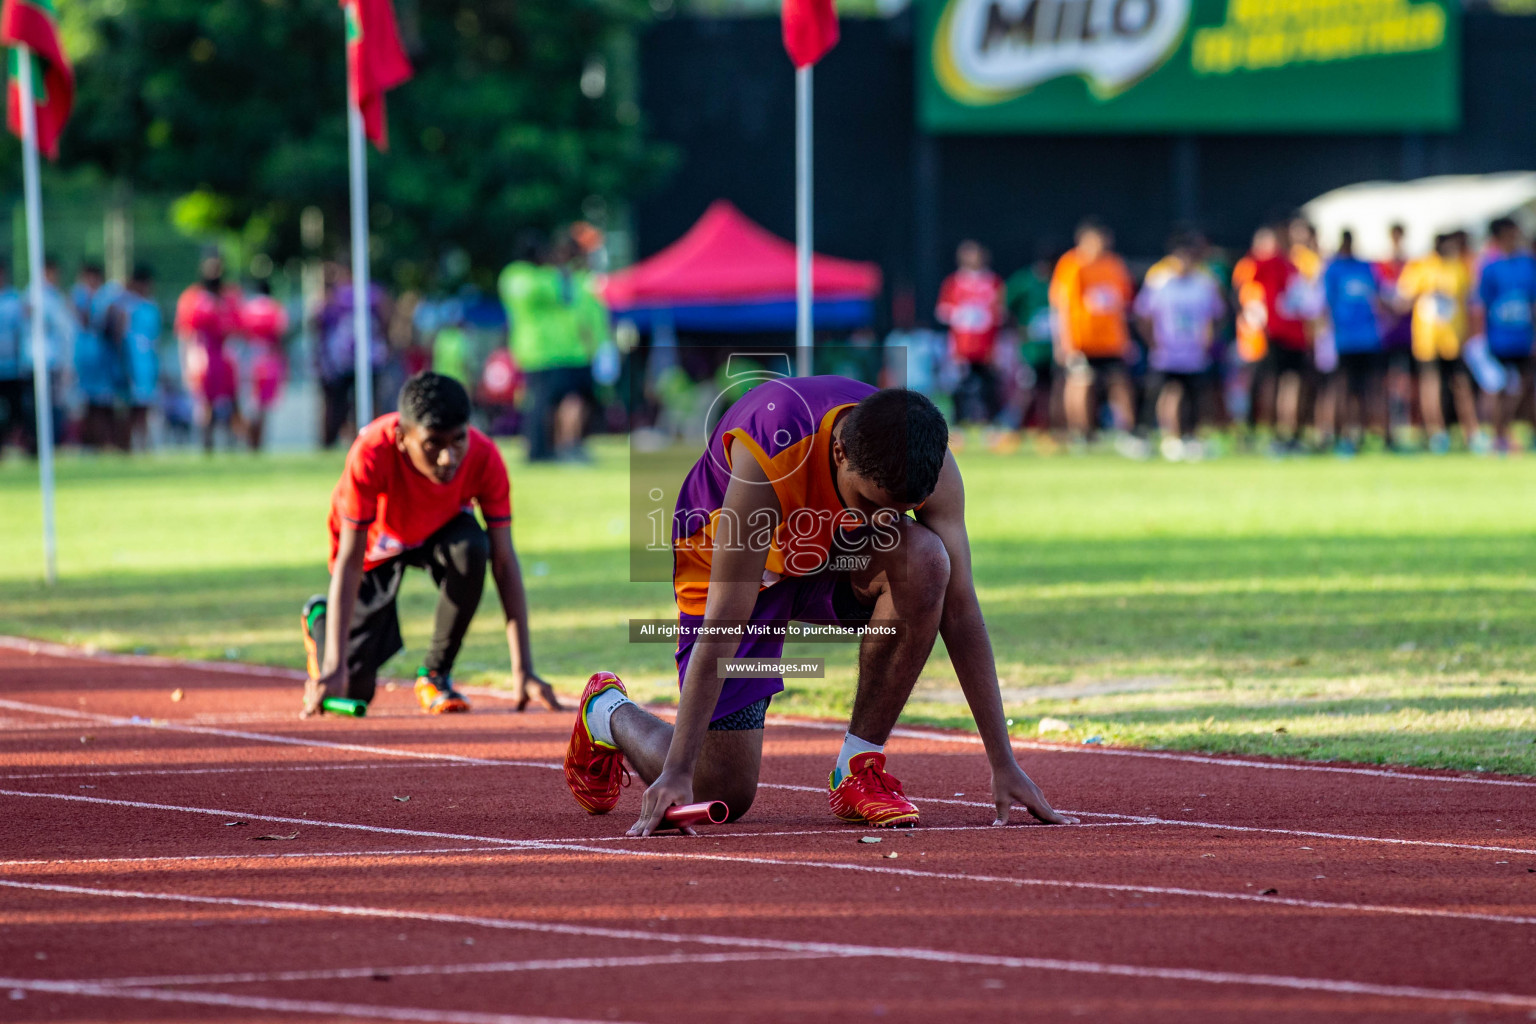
723	93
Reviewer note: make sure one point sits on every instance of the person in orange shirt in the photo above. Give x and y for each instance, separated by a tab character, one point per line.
1091	293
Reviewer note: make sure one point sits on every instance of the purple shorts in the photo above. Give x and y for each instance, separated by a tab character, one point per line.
825	598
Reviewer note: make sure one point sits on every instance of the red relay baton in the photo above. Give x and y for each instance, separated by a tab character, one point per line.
714	812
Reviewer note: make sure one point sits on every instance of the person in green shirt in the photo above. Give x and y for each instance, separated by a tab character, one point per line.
1029	303
450	351
556	322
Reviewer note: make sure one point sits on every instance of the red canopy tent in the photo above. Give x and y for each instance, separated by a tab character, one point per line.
731	274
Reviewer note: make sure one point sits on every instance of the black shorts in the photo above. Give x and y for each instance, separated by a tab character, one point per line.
554	384
1362	370
1095	369
1190	382
1289	360
1517	364
1045	373
1446	368
375	636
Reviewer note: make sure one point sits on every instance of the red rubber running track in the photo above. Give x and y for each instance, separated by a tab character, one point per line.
1198	889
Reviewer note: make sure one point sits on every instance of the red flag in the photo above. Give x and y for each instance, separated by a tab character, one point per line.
31	23
376	62
810	30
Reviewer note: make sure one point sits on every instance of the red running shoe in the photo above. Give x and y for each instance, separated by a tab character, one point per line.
437	696
869	795
594	771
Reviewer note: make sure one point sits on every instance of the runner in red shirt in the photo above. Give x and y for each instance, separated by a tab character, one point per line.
971	306
405	499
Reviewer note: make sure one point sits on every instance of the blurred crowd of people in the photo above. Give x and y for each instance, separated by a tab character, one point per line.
102	359
1288	347
1307	349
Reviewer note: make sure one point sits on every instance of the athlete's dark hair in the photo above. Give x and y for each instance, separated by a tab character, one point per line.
433	401
897	439
1094	225
1502	225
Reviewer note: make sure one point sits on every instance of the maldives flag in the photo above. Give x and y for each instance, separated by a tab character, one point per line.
31	23
376	61
810	30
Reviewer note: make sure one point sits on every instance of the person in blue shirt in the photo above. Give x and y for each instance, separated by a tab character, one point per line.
1507	291
133	324
95	363
1354	308
17	405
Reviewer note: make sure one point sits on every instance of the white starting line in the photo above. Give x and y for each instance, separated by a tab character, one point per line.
55	650
363	1011
650	850
832	949
428	757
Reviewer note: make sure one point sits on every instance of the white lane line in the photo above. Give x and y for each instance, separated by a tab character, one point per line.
140	772
435	970
1048	883
457	759
1143	819
835	949
575	846
192	858
1163	755
364	1011
262	737
277	819
231	668
147	661
13	728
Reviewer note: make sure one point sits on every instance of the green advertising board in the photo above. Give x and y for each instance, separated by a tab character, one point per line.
1188	65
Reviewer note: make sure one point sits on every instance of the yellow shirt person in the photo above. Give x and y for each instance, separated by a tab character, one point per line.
1438	286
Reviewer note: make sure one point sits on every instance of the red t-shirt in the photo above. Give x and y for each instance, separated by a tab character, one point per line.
401	507
1284	323
971	306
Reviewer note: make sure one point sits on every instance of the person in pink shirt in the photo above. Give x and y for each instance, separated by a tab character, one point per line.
971	306
264	322
207	314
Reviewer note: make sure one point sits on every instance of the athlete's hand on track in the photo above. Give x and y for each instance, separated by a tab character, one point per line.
333	684
1011	787
546	693
669	789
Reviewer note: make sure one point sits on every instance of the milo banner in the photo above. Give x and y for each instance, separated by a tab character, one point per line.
1188	65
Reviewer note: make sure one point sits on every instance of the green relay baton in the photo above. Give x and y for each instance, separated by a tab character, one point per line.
344	706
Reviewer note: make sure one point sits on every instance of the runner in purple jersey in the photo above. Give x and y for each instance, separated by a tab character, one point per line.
824	501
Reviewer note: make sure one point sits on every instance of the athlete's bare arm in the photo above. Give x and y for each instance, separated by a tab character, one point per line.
508	574
351	547
735	575
970	650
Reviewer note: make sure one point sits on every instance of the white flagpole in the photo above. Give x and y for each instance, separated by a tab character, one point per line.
362	321
40	382
804	294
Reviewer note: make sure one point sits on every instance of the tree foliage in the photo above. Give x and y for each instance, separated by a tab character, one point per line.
519	117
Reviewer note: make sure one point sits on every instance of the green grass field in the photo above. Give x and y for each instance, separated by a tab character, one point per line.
1373	610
